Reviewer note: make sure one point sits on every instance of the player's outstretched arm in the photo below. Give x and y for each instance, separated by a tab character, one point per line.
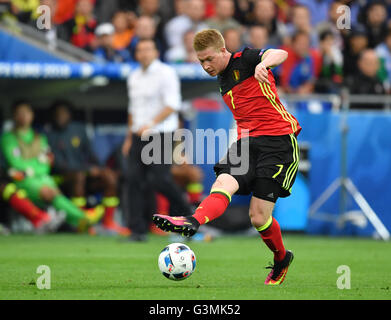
271	58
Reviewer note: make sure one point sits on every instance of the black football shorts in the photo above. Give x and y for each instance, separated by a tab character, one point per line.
265	165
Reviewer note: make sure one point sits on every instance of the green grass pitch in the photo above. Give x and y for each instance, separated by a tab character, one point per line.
85	267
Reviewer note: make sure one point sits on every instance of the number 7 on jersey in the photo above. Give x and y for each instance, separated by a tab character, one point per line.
232	98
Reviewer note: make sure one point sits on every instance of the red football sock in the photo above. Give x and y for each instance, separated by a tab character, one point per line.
26	208
110	203
273	239
109	215
212	207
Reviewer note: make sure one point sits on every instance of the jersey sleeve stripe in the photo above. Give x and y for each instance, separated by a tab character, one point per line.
280	110
262	52
272	101
292	120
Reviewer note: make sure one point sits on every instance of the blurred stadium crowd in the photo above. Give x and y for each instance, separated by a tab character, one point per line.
322	55
322	58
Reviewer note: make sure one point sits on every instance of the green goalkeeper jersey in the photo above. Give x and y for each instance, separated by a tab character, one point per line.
27	152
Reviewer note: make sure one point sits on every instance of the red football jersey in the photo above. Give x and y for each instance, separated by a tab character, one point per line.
256	107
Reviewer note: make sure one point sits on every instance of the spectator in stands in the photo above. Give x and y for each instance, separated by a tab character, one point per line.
265	14
301	21
154	100
151	8
300	70
123	33
148	8
105	10
179	8
105	51
192	18
330	77
81	28
318	9
356	42
25	10
145	29
355	7
258	37
331	24
366	81
233	40
65	9
383	51
283	9
223	19
210	8
6	16
376	23
76	163
243	11
5	7
27	155
185	53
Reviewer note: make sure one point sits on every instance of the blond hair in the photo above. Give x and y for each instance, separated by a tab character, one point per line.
208	38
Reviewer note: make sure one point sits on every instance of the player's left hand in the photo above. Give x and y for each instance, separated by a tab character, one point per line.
261	73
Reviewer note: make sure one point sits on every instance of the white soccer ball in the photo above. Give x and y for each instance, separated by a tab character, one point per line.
177	261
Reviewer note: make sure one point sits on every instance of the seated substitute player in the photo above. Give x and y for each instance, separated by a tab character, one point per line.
76	162
18	201
27	153
269	131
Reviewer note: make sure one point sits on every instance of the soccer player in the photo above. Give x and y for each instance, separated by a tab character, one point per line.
27	153
269	131
16	198
76	162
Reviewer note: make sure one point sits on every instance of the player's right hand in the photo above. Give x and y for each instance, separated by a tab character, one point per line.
261	73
